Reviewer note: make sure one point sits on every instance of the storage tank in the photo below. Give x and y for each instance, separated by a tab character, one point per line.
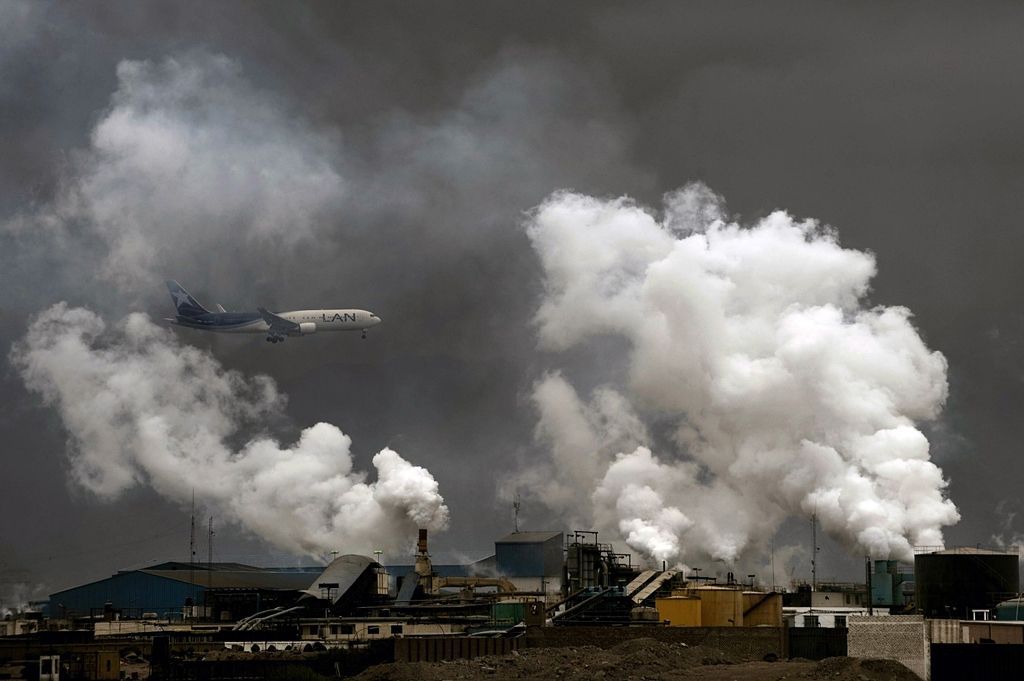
953	582
720	607
762	609
1011	610
679	611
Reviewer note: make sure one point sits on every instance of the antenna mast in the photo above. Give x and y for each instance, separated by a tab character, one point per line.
814	551
208	611
192	551
209	555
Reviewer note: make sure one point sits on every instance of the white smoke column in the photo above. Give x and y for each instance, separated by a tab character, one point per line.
142	409
789	394
581	438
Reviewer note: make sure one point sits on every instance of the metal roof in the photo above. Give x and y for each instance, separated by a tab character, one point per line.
528	537
176	565
972	551
238	579
343	571
218	576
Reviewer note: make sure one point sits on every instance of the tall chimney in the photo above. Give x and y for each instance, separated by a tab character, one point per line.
423	566
421	545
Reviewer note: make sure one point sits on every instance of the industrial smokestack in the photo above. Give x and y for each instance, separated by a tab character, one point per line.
421	545
424	568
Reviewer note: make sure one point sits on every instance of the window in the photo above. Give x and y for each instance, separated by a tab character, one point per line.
810	621
372	629
396	628
840	621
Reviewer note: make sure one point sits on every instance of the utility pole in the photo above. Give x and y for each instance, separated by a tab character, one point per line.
517	503
867	570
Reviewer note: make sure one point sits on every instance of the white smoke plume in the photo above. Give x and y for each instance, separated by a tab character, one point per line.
788	394
140	408
15	596
188	150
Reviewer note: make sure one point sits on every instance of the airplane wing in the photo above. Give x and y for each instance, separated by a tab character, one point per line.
277	324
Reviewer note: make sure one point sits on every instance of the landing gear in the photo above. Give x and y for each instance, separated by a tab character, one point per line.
364	334
274	339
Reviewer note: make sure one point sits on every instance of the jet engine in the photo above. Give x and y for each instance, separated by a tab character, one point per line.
306	328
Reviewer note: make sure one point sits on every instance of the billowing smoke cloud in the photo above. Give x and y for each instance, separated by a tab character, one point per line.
187	151
786	393
140	408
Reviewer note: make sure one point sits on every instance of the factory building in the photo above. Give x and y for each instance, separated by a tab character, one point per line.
532	561
954	583
889	581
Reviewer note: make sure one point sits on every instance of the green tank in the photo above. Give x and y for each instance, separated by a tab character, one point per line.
1011	610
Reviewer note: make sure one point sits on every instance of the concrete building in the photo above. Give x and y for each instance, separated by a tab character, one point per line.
823	618
827	596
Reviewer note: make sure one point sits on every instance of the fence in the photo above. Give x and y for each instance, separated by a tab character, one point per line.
817	643
451	648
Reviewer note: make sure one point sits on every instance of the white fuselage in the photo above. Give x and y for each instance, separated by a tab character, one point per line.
309	321
324	320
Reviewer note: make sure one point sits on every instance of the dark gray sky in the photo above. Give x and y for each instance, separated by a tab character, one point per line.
900	126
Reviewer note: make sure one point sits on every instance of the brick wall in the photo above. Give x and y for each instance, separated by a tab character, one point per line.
896	637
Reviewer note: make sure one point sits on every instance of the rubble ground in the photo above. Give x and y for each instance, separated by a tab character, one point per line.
640	659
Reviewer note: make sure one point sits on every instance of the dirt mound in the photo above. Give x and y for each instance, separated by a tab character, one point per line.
630	658
637	660
657	655
854	669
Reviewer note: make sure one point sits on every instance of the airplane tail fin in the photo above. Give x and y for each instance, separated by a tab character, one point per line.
187	305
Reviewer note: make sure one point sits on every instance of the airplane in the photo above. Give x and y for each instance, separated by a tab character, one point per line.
277	326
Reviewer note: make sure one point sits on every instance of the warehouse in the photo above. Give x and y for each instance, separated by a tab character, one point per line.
166	590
